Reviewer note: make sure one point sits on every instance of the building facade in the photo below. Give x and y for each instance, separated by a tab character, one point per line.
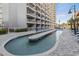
0	16
33	16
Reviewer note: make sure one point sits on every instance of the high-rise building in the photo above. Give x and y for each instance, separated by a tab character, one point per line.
0	16
33	16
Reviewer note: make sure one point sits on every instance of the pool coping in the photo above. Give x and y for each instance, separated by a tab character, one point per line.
46	53
6	53
2	48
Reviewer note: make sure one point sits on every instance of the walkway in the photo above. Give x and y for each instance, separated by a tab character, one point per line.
67	46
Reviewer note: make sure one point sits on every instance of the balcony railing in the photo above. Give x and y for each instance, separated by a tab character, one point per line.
38	17
43	22
31	14
30	10
31	21
31	5
31	28
0	16
0	6
38	22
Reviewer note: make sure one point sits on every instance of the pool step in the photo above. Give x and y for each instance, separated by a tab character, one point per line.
36	37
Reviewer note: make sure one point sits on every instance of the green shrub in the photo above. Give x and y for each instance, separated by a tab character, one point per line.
3	31
11	30
21	30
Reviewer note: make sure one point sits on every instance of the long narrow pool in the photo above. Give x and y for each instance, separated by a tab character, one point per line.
22	46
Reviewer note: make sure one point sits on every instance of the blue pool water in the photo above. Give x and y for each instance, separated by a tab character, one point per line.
22	46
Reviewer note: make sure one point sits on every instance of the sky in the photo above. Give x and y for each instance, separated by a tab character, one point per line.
62	10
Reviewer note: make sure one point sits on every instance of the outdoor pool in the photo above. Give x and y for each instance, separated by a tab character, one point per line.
22	46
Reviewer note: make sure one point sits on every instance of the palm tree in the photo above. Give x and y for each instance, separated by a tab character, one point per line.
77	21
70	22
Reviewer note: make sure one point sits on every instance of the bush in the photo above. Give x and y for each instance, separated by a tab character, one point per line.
11	30
3	31
21	30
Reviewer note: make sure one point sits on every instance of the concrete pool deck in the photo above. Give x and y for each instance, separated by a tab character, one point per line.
67	44
7	37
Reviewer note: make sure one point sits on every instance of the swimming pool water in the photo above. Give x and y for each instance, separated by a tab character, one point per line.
22	46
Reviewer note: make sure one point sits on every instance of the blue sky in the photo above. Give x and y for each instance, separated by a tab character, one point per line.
62	11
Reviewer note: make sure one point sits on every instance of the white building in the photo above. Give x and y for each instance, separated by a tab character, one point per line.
33	16
13	15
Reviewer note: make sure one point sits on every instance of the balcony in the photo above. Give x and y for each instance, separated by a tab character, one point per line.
0	16
31	5
48	20
43	22
0	5
43	13
42	27
38	16
38	21
42	17
38	29
38	26
0	11
38	5
30	13
30	26
38	9
47	26
47	23
31	21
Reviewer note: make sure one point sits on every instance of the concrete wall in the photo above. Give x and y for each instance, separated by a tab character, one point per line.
5	14
14	15
21	15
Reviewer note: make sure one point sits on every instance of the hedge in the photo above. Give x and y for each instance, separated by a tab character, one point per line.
20	30
3	31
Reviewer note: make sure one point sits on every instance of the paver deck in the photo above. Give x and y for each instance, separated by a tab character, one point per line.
67	46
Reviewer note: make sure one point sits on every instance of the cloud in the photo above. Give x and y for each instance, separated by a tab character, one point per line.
62	18
61	15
